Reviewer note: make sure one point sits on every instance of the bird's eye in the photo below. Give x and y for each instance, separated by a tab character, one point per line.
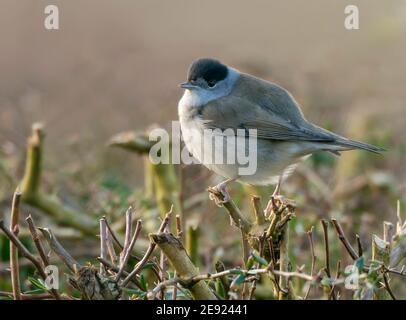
211	84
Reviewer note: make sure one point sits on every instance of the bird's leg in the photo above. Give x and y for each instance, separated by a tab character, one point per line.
222	188
277	192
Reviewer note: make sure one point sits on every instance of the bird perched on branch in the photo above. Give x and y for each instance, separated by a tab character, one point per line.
218	98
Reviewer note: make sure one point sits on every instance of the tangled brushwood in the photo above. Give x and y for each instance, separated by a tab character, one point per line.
167	268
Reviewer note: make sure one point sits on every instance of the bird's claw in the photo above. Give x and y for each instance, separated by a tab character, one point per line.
278	200
277	204
219	194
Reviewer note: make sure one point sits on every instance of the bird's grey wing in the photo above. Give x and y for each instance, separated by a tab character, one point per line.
239	113
271	97
234	112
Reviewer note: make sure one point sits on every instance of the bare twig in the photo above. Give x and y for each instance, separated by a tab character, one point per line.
258	211
261	254
273	260
24	252
161	286
275	214
22	249
388	231
295	274
113	235
359	245
128	229
310	236
399	222
284	265
272	251
56	247
387	286
232	210
110	248
225	282
115	269
14	267
28	255
26	296
126	253
181	195
324	224
397	272
103	244
245	247
332	294
116	240
191	281
162	272
139	265
252	290
149	251
344	239
284	220
179	230
37	241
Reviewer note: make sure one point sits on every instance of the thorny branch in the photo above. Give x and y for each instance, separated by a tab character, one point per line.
344	239
148	253
274	218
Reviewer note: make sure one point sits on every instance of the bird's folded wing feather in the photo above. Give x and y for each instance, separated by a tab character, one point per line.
239	113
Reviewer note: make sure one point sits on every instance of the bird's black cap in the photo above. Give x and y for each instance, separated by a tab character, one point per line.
210	70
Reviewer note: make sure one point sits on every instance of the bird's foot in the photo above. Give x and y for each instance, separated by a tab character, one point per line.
278	199
219	194
278	204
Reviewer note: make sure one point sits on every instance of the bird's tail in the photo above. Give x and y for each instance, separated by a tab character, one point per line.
348	144
340	143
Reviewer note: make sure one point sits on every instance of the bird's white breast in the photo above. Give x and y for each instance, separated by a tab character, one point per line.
200	143
191	124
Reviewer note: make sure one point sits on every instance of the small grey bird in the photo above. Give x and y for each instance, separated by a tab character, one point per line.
220	97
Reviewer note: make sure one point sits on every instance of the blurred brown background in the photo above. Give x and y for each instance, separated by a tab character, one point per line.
115	65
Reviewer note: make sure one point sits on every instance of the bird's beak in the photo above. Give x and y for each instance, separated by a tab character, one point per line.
187	85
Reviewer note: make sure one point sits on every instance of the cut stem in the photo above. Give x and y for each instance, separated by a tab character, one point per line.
181	262
14	265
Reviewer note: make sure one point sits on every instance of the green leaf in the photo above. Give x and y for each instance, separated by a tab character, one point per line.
34	291
360	263
326	281
143	283
238	281
38	283
148	265
375	266
260	260
133	291
250	262
236	271
221	291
